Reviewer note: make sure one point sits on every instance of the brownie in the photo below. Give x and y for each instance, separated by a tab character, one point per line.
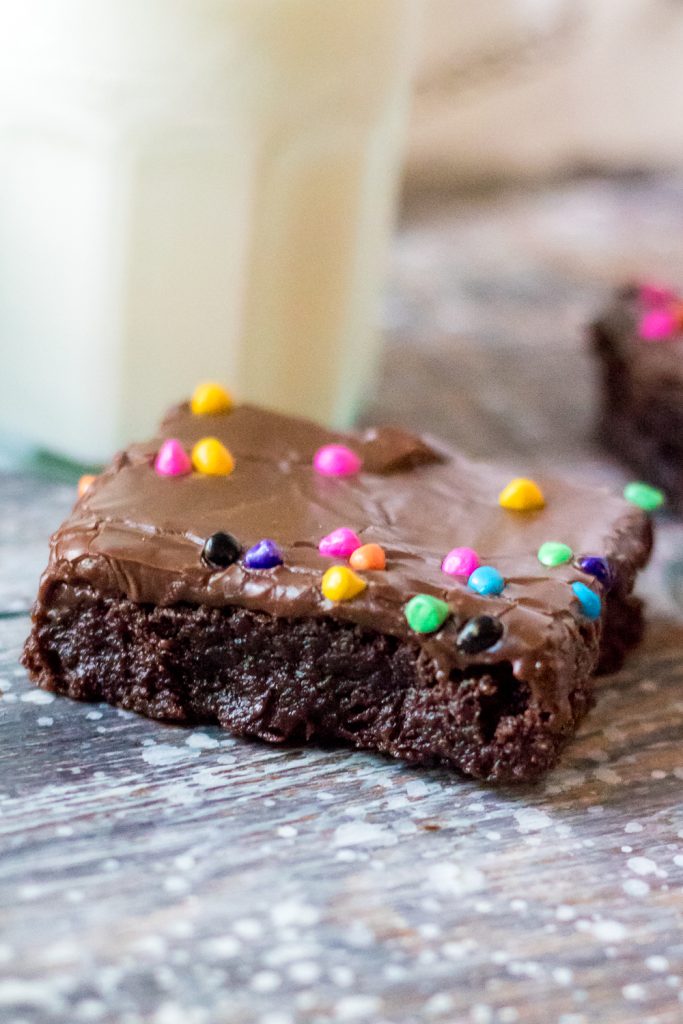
203	598
638	341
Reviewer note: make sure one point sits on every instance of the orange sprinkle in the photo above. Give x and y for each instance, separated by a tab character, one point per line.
84	484
368	556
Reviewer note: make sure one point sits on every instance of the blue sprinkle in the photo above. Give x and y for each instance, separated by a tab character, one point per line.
264	555
589	601
599	567
486	580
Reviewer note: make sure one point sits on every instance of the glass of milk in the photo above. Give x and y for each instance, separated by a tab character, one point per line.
192	189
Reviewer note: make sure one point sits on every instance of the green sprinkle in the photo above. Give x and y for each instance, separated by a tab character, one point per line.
554	553
425	614
645	497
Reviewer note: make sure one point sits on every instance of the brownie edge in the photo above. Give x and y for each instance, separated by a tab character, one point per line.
291	680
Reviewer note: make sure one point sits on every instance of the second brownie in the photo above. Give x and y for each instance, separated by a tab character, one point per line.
638	340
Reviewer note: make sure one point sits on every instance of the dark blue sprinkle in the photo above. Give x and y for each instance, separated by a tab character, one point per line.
264	555
599	567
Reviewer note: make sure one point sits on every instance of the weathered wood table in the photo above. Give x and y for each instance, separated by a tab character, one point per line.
171	876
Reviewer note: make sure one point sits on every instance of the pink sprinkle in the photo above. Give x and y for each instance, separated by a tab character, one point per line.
657	325
336	460
340	543
654	296
172	459
460	562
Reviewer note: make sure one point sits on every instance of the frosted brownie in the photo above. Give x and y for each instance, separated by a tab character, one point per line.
639	343
295	584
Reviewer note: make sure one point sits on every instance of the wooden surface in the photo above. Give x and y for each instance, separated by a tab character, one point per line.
171	876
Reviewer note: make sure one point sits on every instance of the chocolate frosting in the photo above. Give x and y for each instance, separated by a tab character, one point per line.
139	535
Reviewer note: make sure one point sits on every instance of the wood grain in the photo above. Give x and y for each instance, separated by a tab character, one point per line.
169	876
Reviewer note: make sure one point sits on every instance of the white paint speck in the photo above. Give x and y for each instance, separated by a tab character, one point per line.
223	947
265	981
363	833
15	991
209	778
29	892
153	946
45	720
678	860
608	931
92	716
438	1004
633	993
276	1018
164	753
200	741
342	977
633	826
563	975
598	755
417	788
635	887
607	775
306	972
452	879
360	935
641	865
530	819
293	912
287	831
248	928
565	913
175	885
458	950
37	697
357	1007
90	1009
658	964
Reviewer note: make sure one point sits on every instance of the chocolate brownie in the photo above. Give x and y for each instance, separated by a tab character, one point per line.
290	583
639	343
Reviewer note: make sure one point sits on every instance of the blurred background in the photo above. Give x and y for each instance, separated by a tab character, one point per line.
402	210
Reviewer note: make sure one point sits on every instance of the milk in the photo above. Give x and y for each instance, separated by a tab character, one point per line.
192	189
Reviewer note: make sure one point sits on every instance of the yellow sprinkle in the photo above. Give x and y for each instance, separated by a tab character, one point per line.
84	484
210	398
211	457
522	495
341	584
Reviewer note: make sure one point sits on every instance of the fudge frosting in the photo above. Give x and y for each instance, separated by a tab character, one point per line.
137	534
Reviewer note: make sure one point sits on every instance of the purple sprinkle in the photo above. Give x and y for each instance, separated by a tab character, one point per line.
263	555
599	567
